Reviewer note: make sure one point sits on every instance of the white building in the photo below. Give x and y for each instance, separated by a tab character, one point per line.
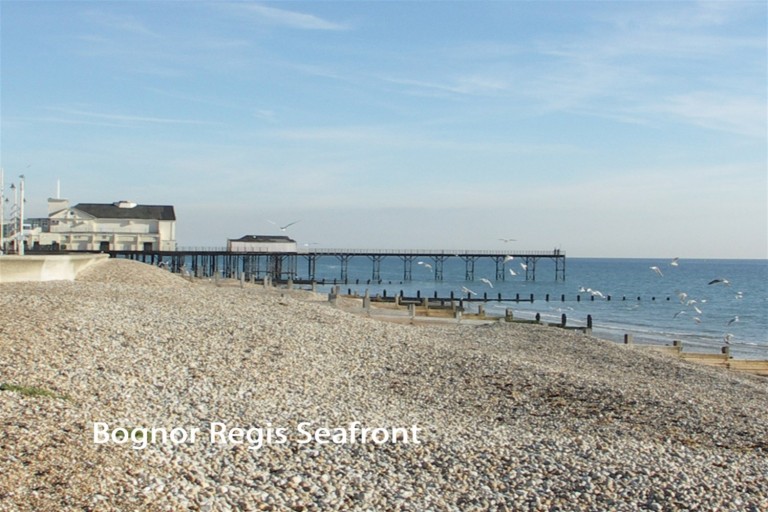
119	226
261	243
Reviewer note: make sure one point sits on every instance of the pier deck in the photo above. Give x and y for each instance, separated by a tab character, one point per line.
204	262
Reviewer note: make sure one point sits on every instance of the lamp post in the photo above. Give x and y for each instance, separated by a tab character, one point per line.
2	211
21	215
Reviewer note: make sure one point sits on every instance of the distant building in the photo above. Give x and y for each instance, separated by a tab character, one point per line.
261	243
118	226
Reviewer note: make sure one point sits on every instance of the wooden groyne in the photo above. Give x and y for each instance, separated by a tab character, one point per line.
722	360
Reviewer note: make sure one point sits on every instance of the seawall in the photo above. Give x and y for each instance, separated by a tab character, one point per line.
45	268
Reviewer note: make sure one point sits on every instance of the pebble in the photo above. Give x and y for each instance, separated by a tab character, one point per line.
513	417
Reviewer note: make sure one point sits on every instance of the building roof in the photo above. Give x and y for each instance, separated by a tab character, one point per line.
274	239
140	211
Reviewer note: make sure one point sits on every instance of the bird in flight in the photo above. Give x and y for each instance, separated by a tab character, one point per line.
283	228
674	262
486	281
720	281
426	265
467	290
507	240
524	266
512	272
508	258
657	270
733	320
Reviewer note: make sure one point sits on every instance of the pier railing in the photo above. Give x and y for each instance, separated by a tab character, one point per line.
391	252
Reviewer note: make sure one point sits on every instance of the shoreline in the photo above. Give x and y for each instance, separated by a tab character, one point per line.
513	416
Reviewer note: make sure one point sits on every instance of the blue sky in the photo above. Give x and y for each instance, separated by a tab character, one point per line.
617	129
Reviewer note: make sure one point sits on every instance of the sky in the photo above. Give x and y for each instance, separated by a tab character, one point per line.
604	129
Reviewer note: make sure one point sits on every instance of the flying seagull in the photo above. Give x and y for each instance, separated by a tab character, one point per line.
486	281
674	262
427	265
508	258
720	281
657	270
507	240
524	266
467	290
512	272
283	228
727	338
733	320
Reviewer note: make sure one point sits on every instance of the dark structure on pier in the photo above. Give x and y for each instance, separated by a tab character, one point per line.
301	266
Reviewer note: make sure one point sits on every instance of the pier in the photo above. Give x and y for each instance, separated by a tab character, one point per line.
301	266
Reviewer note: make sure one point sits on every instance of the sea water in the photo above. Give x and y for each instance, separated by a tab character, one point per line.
675	303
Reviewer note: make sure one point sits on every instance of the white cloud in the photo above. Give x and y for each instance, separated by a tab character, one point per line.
292	19
741	115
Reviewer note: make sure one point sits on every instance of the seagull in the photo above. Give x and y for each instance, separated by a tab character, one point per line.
596	293
486	281
697	319
508	258
426	265
657	270
512	272
727	338
507	240
467	290
733	320
524	266
679	313
674	262
739	295
283	228
720	281
697	310
682	296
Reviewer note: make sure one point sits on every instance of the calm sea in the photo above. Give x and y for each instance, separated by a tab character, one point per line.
643	303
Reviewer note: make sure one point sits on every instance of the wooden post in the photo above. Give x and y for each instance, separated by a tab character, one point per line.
678	345
481	310
242	280
727	351
628	339
563	320
589	321
412	310
367	300
290	283
509	315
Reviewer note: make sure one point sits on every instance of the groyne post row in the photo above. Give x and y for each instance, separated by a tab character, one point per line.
281	266
498	297
722	360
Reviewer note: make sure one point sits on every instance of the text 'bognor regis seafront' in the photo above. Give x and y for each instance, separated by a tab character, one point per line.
255	437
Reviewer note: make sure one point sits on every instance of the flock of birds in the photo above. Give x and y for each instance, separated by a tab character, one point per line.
685	300
675	262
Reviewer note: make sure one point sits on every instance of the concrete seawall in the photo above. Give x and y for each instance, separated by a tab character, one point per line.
45	268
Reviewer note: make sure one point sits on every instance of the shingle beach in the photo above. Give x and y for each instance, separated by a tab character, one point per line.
476	417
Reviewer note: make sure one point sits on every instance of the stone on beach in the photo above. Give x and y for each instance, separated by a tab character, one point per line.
517	417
